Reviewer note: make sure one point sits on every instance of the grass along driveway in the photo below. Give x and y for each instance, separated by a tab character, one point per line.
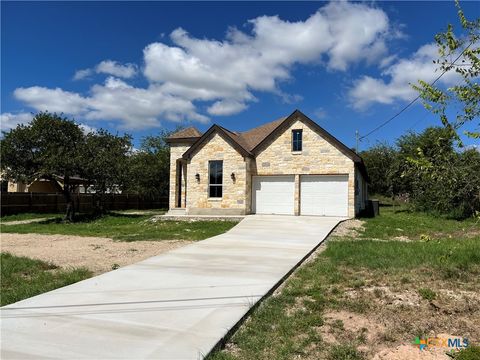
368	299
126	227
23	277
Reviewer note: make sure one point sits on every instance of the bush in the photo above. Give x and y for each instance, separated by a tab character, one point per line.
428	169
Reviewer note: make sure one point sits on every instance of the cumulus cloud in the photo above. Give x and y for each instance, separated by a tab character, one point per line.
396	80
111	67
226	107
108	67
54	100
82	74
223	74
9	120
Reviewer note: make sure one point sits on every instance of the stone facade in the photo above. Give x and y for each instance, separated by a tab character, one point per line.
176	152
234	199
318	157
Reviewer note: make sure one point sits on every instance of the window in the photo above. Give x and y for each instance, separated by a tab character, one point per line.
297	140
215	178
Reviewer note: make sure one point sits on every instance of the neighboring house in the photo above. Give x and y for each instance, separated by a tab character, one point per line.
288	166
37	186
42	185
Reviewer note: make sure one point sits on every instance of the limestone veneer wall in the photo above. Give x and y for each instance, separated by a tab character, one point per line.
234	199
176	152
318	157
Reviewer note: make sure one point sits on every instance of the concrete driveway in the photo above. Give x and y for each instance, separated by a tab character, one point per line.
174	306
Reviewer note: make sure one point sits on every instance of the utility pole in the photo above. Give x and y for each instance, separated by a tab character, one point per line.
357	138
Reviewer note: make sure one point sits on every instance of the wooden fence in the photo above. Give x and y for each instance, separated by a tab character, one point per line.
15	203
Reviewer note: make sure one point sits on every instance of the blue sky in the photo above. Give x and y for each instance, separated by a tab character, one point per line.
140	67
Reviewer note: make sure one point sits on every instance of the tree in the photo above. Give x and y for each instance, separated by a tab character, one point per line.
49	146
379	161
104	163
52	146
427	168
439	178
150	166
466	95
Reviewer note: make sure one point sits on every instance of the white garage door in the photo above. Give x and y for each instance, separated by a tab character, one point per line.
325	195
273	195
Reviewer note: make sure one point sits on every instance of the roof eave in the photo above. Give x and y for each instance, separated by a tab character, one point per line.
182	140
188	154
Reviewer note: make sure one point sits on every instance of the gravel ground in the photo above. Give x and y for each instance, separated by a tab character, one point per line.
95	253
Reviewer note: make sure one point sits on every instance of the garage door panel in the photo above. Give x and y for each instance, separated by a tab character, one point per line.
325	195
273	195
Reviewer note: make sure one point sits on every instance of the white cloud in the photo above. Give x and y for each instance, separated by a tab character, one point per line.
111	67
226	107
87	129
9	121
82	74
53	100
108	67
404	72
225	73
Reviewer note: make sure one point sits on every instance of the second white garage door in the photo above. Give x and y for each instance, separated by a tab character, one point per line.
273	195
325	195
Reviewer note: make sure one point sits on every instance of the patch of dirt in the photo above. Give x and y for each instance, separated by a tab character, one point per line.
469	232
385	296
344	325
95	253
401	238
411	352
349	228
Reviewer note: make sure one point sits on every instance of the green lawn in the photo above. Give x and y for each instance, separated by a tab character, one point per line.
23	277
126	227
365	278
398	221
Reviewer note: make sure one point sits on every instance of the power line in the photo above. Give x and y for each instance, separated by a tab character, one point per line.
414	100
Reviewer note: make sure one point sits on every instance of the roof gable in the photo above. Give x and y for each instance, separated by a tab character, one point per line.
231	138
297	115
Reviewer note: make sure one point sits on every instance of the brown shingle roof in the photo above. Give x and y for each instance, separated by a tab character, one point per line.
238	138
253	137
190	132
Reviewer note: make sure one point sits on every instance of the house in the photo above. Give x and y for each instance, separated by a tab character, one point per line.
290	166
49	185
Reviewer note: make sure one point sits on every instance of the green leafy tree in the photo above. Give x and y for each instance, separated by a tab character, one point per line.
460	54
52	146
379	161
150	166
49	146
438	178
105	162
